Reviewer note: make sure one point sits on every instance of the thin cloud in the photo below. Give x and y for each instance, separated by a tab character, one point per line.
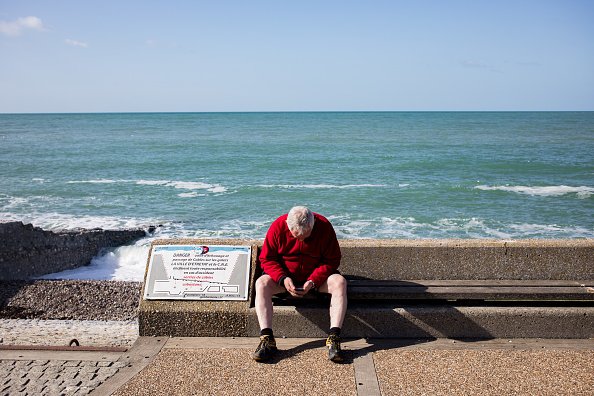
16	28
76	43
528	63
473	64
155	43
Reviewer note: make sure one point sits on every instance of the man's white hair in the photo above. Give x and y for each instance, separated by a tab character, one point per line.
300	219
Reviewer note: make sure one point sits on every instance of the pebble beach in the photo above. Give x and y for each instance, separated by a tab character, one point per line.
44	312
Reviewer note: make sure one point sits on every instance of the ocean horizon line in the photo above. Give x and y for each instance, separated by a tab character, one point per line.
294	112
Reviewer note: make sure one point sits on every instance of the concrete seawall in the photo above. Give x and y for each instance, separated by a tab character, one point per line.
405	260
27	251
472	259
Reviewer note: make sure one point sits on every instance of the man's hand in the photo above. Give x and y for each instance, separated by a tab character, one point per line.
290	286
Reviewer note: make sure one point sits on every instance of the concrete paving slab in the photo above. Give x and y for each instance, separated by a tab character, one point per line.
223	366
383	343
233	372
142	353
365	375
61	332
94	356
485	372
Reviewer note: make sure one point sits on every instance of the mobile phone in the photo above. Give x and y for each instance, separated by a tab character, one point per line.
299	289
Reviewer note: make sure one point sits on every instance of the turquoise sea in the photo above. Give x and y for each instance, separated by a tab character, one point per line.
503	175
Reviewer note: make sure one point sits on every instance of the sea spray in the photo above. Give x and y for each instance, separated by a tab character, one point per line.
126	263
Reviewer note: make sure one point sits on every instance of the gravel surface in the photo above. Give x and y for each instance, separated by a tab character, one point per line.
69	299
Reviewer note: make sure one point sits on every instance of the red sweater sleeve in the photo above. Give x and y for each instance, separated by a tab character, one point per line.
270	258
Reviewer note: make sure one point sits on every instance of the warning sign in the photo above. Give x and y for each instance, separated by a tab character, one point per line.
198	272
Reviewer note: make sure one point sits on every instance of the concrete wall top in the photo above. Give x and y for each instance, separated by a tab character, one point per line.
534	243
403	259
469	259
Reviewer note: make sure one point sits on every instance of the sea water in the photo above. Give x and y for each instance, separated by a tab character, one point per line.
502	175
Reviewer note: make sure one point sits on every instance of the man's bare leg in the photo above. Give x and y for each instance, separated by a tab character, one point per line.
265	289
336	286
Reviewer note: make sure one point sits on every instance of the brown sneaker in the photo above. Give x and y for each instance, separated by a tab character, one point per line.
334	351
266	349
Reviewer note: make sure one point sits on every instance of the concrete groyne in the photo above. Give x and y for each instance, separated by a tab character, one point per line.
27	251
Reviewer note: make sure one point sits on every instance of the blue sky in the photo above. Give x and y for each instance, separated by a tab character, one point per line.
119	56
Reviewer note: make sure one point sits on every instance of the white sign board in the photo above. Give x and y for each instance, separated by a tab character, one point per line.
195	272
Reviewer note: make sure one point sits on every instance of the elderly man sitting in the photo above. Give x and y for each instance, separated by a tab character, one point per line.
300	254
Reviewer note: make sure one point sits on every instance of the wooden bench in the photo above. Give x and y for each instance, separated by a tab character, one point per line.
460	290
467	270
475	290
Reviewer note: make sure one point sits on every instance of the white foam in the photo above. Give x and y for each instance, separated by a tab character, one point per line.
152	182
384	227
129	262
473	228
12	202
185	185
125	263
192	194
217	189
320	186
189	185
59	221
96	181
476	228
526	230
543	191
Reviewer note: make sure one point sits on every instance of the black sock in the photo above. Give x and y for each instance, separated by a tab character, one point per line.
334	331
267	332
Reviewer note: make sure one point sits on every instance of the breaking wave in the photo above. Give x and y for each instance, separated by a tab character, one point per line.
183	185
543	191
320	186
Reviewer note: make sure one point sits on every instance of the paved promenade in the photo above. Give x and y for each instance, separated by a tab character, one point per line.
222	366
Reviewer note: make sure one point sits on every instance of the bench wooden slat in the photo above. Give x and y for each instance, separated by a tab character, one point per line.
543	290
470	290
471	293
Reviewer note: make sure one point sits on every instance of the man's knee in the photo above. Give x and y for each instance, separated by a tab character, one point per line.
337	283
265	283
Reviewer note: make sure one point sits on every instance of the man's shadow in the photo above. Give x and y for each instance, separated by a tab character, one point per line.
375	321
350	354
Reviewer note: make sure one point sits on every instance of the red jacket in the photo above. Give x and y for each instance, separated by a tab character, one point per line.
315	259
